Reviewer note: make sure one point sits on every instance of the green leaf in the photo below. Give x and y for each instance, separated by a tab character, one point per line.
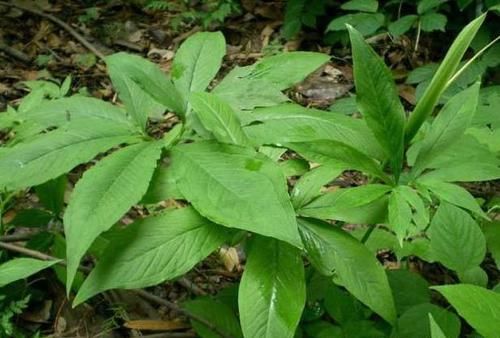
309	185
138	103
454	194
408	288
342	306
242	92
276	69
331	249
52	154
456	239
378	100
365	204
361	6
439	82
272	291
217	313
436	331
219	118
400	215
432	21
197	61
104	194
55	113
340	154
402	25
448	127
19	268
249	185
162	187
51	194
492	234
420	212
147	76
365	23
414	323
426	5
478	306
294	123
153	250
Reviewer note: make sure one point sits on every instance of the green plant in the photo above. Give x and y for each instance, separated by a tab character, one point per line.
212	12
8	310
224	160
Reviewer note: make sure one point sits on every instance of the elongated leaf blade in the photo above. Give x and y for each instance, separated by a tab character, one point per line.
294	123
52	154
340	154
242	92
456	239
104	194
454	194
478	306
378	100
309	185
147	76
448	127
286	69
439	82
219	118
330	248
197	61
236	187
272	291
19	268
55	113
400	215
365	204
153	250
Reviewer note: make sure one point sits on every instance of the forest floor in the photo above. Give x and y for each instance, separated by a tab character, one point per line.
35	46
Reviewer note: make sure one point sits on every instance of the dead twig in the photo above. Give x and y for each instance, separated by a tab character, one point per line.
195	289
19	237
58	22
174	307
144	294
16	54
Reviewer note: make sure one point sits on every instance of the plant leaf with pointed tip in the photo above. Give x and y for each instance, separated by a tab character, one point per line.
52	154
153	250
332	249
236	187
365	204
456	239
341	154
276	69
197	61
293	123
454	194
448	126
19	268
219	118
378	100
104	194
147	76
272	290
478	306
400	215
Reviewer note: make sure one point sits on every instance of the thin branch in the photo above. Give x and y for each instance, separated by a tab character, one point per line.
144	294
19	237
172	306
58	22
16	54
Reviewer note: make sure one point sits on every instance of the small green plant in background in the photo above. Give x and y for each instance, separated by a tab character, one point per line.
207	13
228	160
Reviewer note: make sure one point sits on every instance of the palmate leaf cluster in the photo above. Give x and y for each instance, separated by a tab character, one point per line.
225	161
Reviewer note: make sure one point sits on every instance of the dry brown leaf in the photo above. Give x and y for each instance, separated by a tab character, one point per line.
156	325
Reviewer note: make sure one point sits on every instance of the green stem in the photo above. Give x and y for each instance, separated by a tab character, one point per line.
367	234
